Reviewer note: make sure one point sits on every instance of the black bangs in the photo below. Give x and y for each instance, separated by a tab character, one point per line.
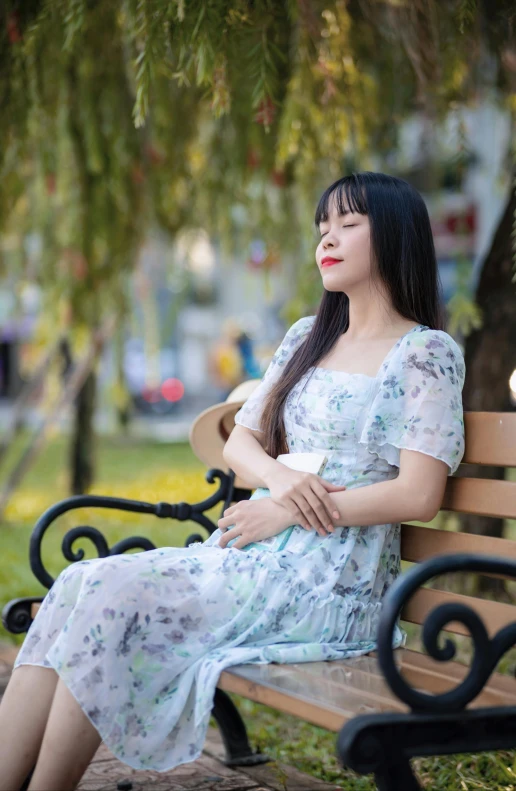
348	191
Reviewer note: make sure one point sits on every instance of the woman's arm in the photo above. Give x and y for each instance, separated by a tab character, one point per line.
246	457
415	495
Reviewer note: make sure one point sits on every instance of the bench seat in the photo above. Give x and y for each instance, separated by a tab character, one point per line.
328	694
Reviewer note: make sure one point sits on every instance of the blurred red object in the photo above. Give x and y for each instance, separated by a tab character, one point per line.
172	390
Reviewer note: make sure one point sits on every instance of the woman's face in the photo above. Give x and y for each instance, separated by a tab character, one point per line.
346	238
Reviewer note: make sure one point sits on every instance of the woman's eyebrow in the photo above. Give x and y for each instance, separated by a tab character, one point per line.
346	211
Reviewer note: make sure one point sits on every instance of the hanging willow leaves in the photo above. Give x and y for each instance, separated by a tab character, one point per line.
115	117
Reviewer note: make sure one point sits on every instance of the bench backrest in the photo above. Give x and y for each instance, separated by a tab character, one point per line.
490	440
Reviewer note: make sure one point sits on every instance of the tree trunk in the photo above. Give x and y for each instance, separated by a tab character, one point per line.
122	396
490	360
83	438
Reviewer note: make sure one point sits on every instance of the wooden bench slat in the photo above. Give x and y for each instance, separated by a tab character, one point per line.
361	675
490	438
495	615
282	687
455	670
421	671
338	690
419	543
500	690
481	496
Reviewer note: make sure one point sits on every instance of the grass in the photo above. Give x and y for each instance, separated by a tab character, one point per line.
313	750
138	470
153	472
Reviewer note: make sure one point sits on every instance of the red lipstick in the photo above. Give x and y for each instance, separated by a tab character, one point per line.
327	261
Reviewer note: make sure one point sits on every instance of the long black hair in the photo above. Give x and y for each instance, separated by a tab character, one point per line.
403	258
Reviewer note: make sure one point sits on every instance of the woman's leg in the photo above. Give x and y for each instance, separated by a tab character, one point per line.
69	744
24	713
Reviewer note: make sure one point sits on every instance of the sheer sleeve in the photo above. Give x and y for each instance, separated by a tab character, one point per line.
418	405
249	415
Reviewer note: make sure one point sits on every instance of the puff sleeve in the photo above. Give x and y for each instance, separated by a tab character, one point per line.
249	415
418	404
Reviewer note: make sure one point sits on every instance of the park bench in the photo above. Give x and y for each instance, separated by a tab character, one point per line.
391	705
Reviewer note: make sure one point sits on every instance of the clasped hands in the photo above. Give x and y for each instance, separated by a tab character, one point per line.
296	498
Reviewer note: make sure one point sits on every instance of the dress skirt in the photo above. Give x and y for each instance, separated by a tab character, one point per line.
140	639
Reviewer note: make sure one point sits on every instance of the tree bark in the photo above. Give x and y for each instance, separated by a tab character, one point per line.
83	437
490	360
123	397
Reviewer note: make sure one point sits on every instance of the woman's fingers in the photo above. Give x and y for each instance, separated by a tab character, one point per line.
327	502
225	522
310	515
297	514
325	521
227	537
303	513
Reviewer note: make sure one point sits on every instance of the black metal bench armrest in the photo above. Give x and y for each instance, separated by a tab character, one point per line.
439	724
182	512
486	652
16	615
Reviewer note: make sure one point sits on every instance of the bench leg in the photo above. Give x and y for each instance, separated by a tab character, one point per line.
396	775
384	743
234	733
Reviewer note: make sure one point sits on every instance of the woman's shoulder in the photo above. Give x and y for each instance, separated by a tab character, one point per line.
433	341
293	338
302	326
435	347
297	331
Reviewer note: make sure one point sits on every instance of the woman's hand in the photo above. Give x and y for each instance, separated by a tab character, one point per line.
306	496
252	520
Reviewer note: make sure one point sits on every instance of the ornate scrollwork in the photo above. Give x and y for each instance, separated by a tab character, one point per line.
17	616
486	651
181	512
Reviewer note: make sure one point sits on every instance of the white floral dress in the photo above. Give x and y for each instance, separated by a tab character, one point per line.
141	639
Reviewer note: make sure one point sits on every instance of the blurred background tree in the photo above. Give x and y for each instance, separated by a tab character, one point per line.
118	115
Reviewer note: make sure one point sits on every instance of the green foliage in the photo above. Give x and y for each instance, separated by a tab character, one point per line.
115	115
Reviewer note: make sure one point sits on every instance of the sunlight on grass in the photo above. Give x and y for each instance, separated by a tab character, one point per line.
138	471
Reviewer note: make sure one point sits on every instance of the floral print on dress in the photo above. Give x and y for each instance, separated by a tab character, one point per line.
419	405
141	639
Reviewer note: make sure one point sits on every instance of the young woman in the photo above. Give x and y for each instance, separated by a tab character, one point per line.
136	643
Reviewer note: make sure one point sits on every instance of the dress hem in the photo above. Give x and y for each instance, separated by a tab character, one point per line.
139	767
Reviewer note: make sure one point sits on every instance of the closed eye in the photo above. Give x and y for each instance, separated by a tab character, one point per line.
344	226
